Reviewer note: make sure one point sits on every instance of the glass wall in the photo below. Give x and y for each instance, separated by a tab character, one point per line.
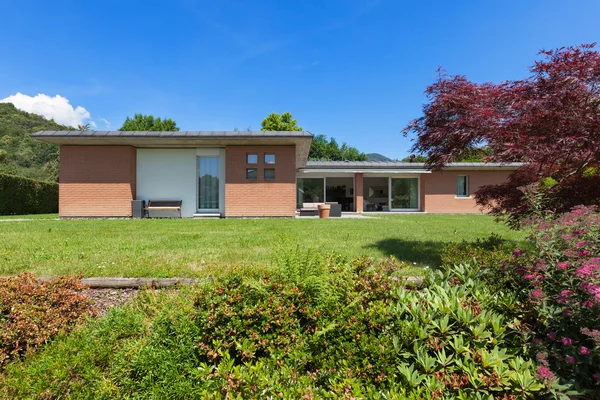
376	194
341	191
309	190
405	193
208	183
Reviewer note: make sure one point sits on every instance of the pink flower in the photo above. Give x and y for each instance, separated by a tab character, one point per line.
537	294
517	253
529	277
564	296
567	341
583	253
580	244
584	271
570	359
563	266
588	304
584	351
596	376
551	336
566	313
545	374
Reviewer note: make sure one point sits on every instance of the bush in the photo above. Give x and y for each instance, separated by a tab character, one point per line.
555	290
563	285
326	327
33	312
20	195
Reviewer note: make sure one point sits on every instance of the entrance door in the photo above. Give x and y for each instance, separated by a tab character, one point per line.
208	184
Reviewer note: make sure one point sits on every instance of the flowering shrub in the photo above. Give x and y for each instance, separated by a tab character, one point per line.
33	312
556	293
563	285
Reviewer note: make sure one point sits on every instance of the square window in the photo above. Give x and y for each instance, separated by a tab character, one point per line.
251	174
269	174
269	158
251	158
462	186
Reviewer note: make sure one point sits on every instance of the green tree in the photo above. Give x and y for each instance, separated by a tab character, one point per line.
280	122
322	149
418	159
141	122
85	127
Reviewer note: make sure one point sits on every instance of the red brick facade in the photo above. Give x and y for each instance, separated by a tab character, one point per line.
438	190
96	181
260	197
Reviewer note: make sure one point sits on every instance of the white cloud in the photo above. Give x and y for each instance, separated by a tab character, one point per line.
106	122
57	108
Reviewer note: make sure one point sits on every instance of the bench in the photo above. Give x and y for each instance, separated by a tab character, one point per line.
163	205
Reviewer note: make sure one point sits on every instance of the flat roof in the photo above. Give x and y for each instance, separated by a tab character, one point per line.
354	166
181	139
171	134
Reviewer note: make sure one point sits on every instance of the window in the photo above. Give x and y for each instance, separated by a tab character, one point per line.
309	190
251	158
269	158
462	186
251	174
269	174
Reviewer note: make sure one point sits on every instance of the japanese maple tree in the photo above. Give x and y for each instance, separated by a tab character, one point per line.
550	122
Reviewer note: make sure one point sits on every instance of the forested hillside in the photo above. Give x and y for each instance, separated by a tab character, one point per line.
21	155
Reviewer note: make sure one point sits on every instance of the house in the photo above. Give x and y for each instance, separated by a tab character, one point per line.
247	174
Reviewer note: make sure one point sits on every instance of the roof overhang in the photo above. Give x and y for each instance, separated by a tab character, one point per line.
301	140
367	171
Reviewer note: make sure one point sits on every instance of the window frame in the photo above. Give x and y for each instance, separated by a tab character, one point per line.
248	160
255	172
265	159
466	195
265	174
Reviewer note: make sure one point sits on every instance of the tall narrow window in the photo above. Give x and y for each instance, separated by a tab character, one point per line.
208	183
462	186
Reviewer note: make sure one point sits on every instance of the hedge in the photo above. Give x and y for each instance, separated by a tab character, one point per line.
20	195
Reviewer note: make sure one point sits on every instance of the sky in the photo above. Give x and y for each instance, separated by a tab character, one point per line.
355	70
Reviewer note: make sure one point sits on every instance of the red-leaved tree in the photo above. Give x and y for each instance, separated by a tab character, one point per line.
550	122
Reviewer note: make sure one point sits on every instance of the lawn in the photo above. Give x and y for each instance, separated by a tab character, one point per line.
192	248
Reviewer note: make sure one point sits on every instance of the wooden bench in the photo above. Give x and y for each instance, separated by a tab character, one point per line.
163	205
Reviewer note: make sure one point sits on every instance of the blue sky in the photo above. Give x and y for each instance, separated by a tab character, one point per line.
352	69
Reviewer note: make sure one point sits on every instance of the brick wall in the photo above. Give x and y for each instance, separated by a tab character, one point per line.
260	198
96	181
439	190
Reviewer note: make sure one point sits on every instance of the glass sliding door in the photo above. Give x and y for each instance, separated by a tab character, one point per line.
340	190
405	193
376	194
208	183
309	190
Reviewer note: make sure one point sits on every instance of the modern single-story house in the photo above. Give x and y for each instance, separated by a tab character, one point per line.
247	174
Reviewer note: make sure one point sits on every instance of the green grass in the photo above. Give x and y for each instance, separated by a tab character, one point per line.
29	216
192	248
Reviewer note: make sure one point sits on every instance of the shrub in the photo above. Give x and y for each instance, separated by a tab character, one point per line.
563	286
33	312
328	327
20	195
554	290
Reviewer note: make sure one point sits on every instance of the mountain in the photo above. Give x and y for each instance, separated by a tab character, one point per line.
377	157
21	155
